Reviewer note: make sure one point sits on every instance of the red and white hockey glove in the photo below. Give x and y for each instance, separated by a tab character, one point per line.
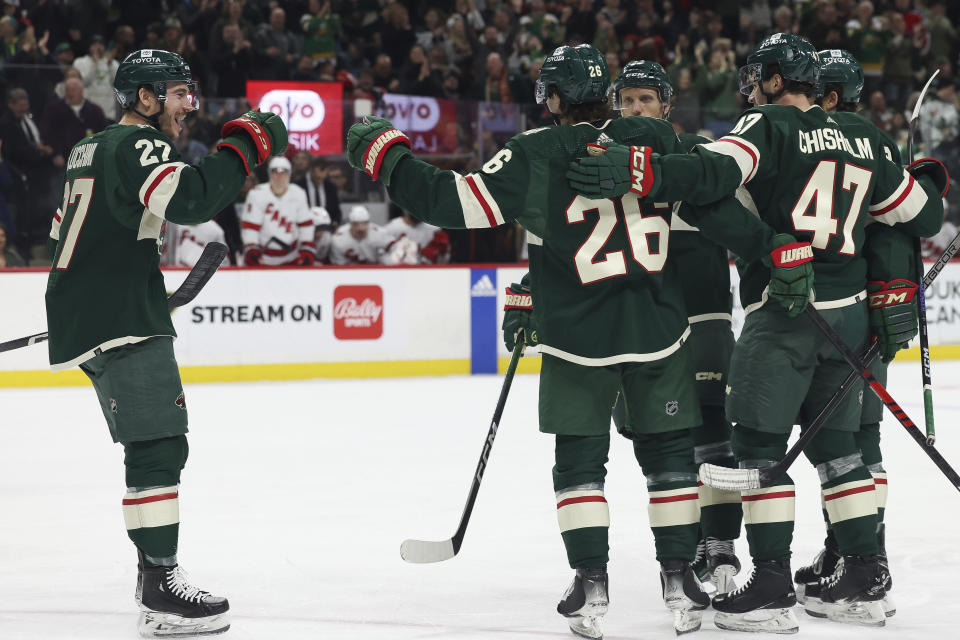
438	251
791	273
611	171
893	314
375	146
306	258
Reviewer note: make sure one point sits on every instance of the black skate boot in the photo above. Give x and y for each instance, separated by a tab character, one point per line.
171	606
853	594
585	602
762	603
682	595
722	564
889	608
823	565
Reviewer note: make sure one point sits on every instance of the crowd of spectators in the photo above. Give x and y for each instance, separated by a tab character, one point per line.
59	58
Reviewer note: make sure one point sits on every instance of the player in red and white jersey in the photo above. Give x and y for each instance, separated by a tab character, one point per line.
432	242
323	234
360	241
277	226
192	239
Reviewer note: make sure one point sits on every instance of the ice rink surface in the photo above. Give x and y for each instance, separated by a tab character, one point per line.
297	495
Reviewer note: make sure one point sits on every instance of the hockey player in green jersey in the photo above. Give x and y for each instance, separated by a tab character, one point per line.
643	89
893	319
107	304
608	310
807	177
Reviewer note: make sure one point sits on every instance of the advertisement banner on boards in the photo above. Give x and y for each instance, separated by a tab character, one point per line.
312	111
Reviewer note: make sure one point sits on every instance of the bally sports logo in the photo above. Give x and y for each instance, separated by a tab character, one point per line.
358	312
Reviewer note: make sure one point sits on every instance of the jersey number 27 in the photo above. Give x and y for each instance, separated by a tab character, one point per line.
79	192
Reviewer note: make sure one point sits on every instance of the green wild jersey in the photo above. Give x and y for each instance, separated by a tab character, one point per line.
105	287
702	264
806	175
603	289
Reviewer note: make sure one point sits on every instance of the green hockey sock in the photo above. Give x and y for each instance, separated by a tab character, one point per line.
582	513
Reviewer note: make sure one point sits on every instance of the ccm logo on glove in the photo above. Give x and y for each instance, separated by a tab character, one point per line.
793	254
895	292
641	179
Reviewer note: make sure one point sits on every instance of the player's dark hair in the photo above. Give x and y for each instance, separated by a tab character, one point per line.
318	162
808	89
842	105
586	112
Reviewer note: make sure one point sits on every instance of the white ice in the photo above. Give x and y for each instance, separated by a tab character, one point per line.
297	495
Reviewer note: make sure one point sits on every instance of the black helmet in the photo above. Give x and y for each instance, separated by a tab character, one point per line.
579	75
642	73
152	68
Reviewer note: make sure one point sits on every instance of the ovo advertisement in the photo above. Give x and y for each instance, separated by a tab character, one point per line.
312	111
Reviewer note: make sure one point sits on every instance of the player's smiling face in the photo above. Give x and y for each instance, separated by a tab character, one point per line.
180	101
641	101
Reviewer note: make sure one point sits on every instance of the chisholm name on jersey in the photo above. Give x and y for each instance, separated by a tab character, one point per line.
827	138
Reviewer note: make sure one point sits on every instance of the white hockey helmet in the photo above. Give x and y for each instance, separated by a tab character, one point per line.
321	217
358	214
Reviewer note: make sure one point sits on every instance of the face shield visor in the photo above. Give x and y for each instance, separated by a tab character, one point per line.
750	75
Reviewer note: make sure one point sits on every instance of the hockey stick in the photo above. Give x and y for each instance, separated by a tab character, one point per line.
213	254
922	297
424	551
881	393
743	479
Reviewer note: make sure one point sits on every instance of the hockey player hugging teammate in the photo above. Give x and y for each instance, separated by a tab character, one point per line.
107	304
814	184
609	314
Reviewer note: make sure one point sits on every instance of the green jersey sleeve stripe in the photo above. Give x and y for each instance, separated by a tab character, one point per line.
160	187
743	152
903	205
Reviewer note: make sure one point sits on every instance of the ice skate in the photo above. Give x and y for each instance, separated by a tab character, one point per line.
853	594
822	566
172	607
683	595
585	602
699	564
762	603
722	564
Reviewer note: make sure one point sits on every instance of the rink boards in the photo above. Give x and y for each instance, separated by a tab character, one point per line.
291	323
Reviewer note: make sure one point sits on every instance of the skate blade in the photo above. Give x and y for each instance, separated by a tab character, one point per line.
870	614
687	621
154	624
801	590
722	578
765	620
586	627
889	608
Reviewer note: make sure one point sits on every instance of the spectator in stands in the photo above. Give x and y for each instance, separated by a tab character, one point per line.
360	241
320	30
940	124
67	120
719	93
60	89
231	13
8	35
686	113
33	67
339	180
383	74
416	76
879	113
6	184
306	70
300	164
232	62
580	23
98	69
943	34
124	41
8	254
433	33
897	65
276	48
783	20
27	155
643	43
321	192
64	56
459	43
868	35
497	85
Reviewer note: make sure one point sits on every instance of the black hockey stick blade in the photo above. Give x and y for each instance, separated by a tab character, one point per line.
208	263
211	258
745	479
427	551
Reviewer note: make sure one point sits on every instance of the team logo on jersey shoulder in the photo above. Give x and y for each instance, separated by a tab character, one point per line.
672	407
181	401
